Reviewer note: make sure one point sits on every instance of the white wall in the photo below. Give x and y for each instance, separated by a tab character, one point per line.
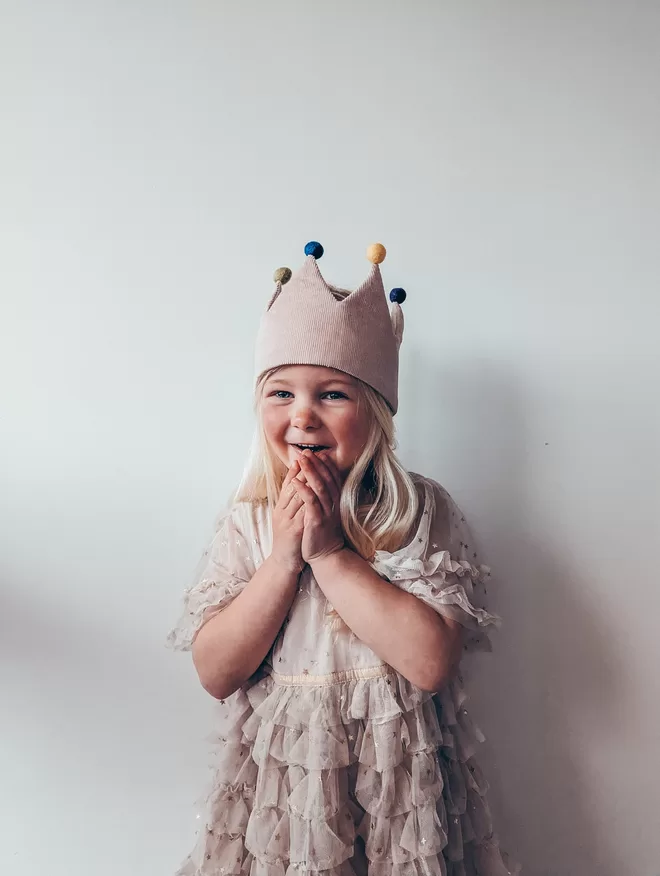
158	161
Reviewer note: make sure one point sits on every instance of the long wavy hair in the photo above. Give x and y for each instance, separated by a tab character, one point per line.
379	501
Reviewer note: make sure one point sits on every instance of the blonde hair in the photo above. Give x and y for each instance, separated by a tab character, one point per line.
386	519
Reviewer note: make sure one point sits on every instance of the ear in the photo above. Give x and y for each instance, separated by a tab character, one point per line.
396	315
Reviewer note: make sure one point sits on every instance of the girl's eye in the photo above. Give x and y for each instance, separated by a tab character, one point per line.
334	395
281	393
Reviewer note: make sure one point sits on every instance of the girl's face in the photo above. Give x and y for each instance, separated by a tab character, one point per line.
320	408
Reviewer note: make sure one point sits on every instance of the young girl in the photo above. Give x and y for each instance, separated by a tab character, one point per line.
329	618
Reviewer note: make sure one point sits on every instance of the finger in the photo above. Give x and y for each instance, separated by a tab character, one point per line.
287	491
330	496
293	503
300	477
332	481
307	494
294	470
312	510
333	470
317	483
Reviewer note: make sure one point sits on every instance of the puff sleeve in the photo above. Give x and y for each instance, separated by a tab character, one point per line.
441	566
223	571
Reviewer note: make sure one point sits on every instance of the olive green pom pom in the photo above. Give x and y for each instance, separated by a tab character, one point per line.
282	275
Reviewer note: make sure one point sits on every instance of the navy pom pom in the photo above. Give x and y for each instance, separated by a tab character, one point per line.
398	296
314	248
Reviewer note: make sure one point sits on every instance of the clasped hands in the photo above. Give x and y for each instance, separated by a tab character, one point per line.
306	519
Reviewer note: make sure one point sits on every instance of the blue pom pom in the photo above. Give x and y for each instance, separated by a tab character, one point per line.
314	248
398	296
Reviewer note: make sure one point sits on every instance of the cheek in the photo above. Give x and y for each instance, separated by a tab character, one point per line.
274	424
354	434
360	439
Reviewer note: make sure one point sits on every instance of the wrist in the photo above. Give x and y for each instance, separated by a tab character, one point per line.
335	554
287	565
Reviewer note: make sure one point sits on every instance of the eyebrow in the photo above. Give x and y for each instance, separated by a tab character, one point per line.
342	381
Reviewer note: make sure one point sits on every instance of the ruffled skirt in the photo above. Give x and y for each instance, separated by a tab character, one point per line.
361	776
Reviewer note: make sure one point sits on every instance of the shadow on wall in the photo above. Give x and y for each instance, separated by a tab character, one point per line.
91	708
553	685
552	689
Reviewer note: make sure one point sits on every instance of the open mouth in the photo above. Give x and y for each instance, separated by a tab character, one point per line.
315	448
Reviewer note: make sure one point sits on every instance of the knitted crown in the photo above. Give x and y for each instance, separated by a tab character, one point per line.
306	324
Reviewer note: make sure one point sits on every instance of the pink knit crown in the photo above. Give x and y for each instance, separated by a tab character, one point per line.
306	325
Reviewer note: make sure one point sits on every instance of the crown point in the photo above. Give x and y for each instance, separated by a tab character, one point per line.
398	296
282	275
314	249
376	253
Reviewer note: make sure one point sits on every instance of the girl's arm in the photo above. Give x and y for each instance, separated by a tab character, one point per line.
231	646
401	629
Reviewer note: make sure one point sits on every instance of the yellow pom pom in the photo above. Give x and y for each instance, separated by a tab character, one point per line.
376	253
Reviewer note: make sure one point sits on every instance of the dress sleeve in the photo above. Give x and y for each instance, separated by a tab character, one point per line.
441	567
223	571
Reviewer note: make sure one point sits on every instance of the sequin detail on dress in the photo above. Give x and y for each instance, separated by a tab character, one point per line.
331	763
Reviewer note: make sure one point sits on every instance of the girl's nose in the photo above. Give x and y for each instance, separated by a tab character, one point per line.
305	418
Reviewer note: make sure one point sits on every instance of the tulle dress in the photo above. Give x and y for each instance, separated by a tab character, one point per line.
328	762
